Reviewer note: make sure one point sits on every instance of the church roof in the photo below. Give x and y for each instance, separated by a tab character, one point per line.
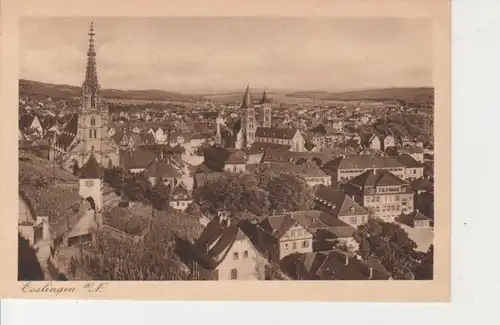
277	133
247	99
69	133
91	169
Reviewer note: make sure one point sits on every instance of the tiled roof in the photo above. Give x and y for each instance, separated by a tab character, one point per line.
276	133
69	132
132	159
162	168
364	161
411	150
308	169
227	156
91	169
278	225
377	178
341	203
262	146
408	161
26	120
217	238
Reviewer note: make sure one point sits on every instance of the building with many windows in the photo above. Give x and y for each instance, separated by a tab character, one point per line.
381	193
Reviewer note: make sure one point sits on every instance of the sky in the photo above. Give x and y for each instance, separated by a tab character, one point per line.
210	54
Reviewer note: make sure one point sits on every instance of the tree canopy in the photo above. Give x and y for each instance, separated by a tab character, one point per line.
259	193
392	245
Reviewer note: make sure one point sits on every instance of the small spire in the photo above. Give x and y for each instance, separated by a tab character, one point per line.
264	99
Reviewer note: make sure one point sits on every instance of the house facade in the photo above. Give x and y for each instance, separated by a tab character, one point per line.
282	235
382	193
284	136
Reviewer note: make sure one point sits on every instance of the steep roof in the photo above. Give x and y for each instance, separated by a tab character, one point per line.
276	133
217	237
342	204
69	132
264	99
278	225
91	169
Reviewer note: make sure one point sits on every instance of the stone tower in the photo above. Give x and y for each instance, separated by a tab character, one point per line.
248	125
91	183
93	117
266	110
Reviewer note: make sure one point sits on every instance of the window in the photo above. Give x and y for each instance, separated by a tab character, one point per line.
305	244
286	246
294	233
245	254
352	220
294	245
92	121
90	133
234	274
235	256
397	197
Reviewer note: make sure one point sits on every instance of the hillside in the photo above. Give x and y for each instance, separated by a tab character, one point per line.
409	95
64	92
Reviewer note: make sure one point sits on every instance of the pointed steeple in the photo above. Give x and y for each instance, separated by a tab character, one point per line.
91	169
247	99
91	84
264	99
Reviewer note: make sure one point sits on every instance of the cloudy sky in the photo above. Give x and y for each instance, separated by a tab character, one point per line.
199	54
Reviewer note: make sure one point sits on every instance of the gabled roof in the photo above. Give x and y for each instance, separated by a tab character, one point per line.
180	189
308	169
26	120
276	133
278	225
91	169
377	178
162	168
341	203
217	238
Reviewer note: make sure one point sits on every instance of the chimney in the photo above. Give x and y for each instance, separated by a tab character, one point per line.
370	269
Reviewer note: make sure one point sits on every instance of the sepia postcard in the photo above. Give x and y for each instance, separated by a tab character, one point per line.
262	150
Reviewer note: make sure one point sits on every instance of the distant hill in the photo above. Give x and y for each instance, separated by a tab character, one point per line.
409	95
64	92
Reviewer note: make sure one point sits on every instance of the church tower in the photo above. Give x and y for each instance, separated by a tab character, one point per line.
93	116
266	110
249	125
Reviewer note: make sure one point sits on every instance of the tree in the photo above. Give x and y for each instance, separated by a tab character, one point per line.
194	209
28	266
233	192
288	192
389	243
424	270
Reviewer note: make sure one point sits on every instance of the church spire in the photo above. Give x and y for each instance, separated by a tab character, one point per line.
91	84
264	99
247	99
